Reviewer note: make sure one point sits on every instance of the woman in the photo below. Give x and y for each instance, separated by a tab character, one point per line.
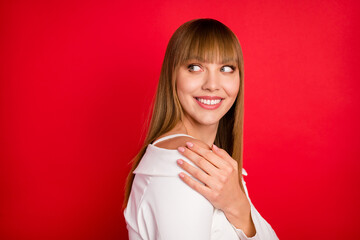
187	180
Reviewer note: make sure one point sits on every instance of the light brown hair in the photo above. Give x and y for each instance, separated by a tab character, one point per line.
210	41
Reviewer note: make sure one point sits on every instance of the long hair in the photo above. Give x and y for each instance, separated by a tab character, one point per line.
208	40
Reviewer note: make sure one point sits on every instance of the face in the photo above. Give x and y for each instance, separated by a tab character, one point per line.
207	90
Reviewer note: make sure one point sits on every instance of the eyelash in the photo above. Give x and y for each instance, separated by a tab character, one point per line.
192	65
231	66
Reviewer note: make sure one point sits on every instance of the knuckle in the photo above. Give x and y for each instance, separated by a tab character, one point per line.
189	182
222	151
229	169
193	186
198	159
215	195
197	174
219	188
236	164
223	179
201	162
207	154
232	159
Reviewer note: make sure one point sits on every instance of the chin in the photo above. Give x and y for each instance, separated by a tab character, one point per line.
209	121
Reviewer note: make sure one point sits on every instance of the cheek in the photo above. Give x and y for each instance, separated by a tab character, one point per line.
232	87
185	86
182	88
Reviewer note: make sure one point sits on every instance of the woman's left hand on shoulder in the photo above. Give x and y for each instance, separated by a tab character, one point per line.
220	177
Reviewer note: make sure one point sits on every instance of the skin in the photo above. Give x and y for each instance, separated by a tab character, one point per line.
205	79
218	171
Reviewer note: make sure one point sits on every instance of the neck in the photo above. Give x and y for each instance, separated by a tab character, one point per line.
205	133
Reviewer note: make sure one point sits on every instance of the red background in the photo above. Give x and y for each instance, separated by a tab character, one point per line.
77	79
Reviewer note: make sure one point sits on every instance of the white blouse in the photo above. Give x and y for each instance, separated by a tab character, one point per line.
162	206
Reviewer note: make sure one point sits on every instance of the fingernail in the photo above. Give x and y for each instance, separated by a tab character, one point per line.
189	144
181	149
181	175
179	161
215	147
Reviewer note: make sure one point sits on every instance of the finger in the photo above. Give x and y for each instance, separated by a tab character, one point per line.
200	188
199	161
207	154
197	173
224	155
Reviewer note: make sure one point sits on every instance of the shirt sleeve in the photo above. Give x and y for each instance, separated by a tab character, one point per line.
263	229
172	210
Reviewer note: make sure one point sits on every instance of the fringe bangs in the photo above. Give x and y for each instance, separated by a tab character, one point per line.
208	43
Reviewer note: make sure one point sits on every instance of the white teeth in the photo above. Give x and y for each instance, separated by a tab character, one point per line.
208	101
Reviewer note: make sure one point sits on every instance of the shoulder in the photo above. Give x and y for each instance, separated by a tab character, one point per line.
160	158
168	203
180	141
159	205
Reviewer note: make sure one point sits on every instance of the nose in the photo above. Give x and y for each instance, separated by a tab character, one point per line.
211	81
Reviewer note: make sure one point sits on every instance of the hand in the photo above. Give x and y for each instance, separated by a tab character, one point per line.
219	173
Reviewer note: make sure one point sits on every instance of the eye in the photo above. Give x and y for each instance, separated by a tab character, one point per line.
227	69
194	68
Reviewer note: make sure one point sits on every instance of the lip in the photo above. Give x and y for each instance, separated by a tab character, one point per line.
209	97
209	107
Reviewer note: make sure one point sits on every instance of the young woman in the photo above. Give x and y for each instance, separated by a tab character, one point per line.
187	180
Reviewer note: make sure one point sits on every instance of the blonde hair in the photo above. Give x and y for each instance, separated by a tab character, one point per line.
207	40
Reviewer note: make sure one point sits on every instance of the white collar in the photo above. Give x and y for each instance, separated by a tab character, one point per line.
162	162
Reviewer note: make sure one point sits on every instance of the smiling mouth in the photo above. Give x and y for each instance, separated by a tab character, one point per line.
209	101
